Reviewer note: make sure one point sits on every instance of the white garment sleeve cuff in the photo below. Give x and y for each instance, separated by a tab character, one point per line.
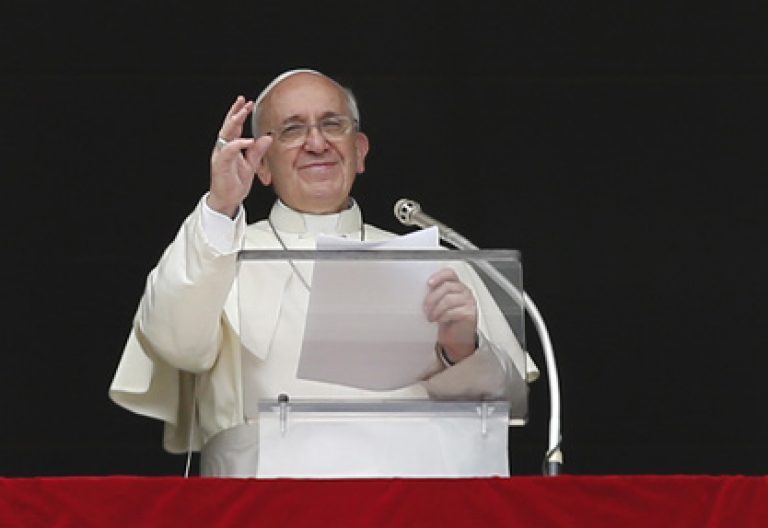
219	229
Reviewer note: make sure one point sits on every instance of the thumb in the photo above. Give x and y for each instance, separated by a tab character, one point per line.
256	150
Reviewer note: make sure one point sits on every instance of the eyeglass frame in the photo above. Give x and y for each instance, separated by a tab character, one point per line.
275	132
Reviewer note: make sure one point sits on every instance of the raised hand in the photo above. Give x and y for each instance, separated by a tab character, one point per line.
234	160
452	305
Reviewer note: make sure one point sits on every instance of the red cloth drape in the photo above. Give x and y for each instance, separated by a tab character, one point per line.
579	501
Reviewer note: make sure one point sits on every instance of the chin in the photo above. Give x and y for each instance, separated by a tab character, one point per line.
327	195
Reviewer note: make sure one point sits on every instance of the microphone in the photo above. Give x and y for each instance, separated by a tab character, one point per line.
409	213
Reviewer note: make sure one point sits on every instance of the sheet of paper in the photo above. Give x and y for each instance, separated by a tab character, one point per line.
365	325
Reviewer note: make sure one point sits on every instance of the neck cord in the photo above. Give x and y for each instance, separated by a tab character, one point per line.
293	266
285	248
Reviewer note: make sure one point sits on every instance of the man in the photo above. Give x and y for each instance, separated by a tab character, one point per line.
185	361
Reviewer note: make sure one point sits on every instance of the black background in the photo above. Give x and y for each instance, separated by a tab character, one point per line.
618	145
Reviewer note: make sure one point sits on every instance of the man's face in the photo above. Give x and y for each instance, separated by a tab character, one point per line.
316	176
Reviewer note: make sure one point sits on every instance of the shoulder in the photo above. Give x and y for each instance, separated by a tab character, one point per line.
259	234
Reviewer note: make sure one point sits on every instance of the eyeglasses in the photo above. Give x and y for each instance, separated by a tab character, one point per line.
333	128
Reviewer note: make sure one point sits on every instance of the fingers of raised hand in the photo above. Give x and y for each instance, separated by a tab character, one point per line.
232	127
225	151
256	150
239	103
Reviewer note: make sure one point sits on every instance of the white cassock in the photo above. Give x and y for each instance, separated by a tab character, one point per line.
185	345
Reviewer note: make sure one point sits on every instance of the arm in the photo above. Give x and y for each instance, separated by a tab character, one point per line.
482	356
179	316
180	313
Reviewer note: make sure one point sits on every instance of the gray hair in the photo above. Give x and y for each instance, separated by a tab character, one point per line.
258	105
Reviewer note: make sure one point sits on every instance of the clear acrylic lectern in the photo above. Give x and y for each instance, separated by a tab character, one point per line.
342	376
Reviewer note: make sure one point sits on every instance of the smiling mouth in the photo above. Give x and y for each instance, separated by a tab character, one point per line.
318	165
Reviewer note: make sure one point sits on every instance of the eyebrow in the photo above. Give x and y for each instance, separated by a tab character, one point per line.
297	117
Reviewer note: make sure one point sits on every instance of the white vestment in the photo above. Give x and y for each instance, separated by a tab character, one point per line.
185	344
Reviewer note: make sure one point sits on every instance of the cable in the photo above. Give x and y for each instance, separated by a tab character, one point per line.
191	432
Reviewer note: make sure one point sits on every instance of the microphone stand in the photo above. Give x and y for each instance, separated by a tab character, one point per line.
553	459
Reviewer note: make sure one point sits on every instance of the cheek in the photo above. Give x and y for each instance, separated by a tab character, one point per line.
279	164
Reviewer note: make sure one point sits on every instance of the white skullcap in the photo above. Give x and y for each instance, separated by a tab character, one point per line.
280	78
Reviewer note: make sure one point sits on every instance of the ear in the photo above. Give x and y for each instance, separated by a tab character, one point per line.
263	172
361	150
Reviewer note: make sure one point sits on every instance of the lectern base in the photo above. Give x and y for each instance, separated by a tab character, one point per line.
380	439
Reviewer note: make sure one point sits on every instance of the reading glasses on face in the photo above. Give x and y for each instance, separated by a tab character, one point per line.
332	128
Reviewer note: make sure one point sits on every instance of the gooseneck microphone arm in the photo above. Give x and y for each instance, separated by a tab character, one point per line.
409	213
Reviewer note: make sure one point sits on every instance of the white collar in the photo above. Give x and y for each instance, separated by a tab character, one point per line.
289	220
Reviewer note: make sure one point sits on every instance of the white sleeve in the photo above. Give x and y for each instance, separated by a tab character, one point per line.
498	369
219	229
179	316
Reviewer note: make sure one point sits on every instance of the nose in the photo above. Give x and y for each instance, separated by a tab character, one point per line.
315	141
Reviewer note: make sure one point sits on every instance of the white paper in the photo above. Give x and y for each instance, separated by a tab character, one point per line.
366	325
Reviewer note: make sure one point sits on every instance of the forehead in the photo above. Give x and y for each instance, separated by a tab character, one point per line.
304	95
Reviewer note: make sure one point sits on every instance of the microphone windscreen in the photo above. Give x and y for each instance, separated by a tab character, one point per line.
405	209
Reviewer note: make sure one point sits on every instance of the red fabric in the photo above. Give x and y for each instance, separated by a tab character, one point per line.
642	501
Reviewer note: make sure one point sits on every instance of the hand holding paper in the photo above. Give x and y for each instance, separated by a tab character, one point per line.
366	326
452	305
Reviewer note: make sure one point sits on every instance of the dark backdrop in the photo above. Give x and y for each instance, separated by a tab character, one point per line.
618	145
